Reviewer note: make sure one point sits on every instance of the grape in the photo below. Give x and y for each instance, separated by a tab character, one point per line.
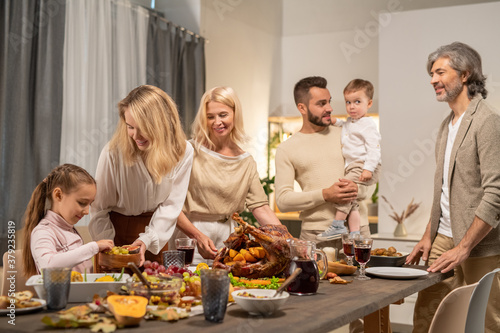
147	264
155	264
149	271
161	269
174	268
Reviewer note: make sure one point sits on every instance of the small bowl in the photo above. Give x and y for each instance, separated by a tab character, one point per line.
266	305
163	292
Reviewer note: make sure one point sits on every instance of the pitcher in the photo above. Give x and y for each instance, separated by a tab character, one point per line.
303	255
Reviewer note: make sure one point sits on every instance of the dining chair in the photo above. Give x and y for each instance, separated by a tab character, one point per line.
478	302
13	276
464	308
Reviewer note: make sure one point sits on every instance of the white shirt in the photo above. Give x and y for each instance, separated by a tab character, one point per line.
445	223
360	141
130	190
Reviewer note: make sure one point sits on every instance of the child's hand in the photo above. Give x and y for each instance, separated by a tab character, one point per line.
105	244
365	176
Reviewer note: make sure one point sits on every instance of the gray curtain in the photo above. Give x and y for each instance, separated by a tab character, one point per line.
176	64
31	59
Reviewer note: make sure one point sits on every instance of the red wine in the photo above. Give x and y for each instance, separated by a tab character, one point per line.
362	254
348	249
308	280
188	254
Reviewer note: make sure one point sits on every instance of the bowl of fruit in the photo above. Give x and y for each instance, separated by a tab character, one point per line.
165	278
118	257
164	290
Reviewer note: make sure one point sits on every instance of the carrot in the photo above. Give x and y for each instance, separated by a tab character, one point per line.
257	281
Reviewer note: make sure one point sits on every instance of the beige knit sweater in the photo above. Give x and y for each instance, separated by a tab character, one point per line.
315	161
223	185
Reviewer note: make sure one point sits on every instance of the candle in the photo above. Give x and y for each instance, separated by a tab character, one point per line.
331	253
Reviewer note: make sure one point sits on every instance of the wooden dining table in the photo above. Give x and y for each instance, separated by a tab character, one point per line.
334	306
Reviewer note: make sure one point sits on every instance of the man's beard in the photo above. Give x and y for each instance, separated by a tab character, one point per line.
316	120
451	93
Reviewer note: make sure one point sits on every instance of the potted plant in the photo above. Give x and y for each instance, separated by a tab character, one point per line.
400	230
373	205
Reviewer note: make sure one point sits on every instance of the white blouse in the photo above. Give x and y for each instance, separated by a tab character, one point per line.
130	190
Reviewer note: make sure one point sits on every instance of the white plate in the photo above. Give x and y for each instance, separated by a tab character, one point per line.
400	273
26	310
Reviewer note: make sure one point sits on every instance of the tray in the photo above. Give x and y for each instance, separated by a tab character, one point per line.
82	292
383	261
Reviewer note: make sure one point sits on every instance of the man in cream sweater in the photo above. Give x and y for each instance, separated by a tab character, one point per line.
313	158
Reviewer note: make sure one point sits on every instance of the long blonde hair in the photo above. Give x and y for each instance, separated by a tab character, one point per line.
228	97
158	119
68	178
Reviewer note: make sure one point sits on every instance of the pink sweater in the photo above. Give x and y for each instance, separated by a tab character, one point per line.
56	243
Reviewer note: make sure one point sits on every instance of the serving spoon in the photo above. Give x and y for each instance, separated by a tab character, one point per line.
289	280
141	277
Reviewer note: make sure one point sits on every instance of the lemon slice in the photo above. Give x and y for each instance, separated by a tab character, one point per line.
202	265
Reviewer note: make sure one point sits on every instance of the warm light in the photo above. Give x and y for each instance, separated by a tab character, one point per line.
285	136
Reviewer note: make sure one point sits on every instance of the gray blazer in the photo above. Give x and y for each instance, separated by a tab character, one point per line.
474	175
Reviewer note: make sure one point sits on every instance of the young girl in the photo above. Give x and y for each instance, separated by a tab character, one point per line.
50	237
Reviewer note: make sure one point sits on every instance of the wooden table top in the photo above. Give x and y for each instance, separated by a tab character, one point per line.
334	306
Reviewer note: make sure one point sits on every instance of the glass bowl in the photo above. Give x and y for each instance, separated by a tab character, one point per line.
164	291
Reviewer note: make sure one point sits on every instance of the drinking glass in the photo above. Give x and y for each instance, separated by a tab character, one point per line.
56	282
214	293
173	257
362	249
187	246
348	246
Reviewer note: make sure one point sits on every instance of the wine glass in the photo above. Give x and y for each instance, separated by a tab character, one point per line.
362	249
187	246
348	246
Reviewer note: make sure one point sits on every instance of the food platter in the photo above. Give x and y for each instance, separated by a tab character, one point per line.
82	291
398	273
26	310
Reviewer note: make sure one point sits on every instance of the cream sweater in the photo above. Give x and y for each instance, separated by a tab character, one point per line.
315	161
222	185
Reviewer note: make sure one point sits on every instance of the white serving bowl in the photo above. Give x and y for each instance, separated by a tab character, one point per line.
260	306
82	291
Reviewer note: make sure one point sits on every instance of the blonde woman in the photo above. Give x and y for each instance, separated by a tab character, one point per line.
224	178
142	175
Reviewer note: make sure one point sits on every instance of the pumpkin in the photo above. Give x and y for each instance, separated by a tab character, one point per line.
105	278
127	310
76	276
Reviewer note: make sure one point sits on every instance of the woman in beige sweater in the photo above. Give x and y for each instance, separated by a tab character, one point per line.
224	178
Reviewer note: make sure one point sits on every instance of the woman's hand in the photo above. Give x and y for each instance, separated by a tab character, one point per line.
142	250
206	246
105	244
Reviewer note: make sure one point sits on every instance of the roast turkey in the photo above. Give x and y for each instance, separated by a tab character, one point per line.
273	238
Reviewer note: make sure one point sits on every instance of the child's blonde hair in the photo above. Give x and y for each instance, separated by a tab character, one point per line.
228	97
68	178
158	119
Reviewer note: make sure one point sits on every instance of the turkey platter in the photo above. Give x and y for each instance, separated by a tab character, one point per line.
274	258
